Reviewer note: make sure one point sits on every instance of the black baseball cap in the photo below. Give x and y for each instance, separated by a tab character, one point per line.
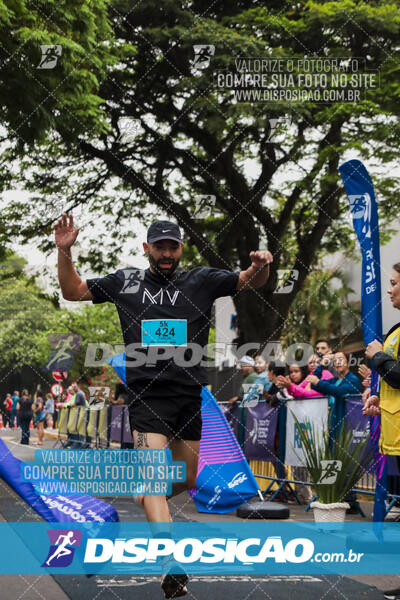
163	230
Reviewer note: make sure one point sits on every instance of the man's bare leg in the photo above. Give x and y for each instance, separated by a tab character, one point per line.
188	452
157	511
155	507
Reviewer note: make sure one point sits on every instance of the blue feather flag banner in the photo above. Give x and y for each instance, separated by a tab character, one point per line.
364	212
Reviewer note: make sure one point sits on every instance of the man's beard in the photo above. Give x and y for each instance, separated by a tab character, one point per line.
166	272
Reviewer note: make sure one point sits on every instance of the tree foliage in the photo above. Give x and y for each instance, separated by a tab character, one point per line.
37	101
323	309
28	318
194	138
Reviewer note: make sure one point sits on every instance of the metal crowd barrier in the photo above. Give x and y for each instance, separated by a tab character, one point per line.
81	427
263	469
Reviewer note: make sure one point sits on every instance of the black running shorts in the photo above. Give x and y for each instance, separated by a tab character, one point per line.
167	407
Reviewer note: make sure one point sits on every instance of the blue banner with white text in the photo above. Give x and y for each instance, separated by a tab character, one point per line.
205	548
364	212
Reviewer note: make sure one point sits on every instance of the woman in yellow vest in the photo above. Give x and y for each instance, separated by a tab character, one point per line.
386	360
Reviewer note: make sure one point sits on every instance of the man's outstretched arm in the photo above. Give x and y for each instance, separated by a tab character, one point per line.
257	274
72	286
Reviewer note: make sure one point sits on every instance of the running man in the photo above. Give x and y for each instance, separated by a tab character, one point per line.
63	541
165	318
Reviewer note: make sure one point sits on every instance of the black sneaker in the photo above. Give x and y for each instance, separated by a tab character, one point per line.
174	585
392	594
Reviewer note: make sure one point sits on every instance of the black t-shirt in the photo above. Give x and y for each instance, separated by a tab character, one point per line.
142	295
25	408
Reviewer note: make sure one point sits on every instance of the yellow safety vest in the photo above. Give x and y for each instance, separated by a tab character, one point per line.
389	441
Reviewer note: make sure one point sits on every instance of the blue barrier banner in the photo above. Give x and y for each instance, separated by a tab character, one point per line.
53	507
261	424
364	211
360	426
205	548
231	412
224	478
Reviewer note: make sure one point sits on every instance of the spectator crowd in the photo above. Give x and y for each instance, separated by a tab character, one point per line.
22	410
327	374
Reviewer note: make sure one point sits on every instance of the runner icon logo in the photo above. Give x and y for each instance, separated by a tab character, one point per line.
202	55
61	356
50	56
98	396
133	277
361	208
61	551
252	394
286	280
330	471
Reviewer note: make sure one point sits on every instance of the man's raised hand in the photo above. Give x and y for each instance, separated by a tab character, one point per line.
259	258
255	276
65	234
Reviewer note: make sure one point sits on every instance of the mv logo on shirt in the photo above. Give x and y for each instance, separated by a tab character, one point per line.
162	297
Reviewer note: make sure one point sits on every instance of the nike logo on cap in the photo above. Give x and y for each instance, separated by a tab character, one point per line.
165	230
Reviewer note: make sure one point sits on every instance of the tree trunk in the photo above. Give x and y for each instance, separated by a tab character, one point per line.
261	315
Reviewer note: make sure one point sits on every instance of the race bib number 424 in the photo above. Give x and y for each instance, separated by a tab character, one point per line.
170	332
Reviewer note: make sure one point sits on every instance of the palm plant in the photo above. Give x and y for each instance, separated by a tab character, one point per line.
347	459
